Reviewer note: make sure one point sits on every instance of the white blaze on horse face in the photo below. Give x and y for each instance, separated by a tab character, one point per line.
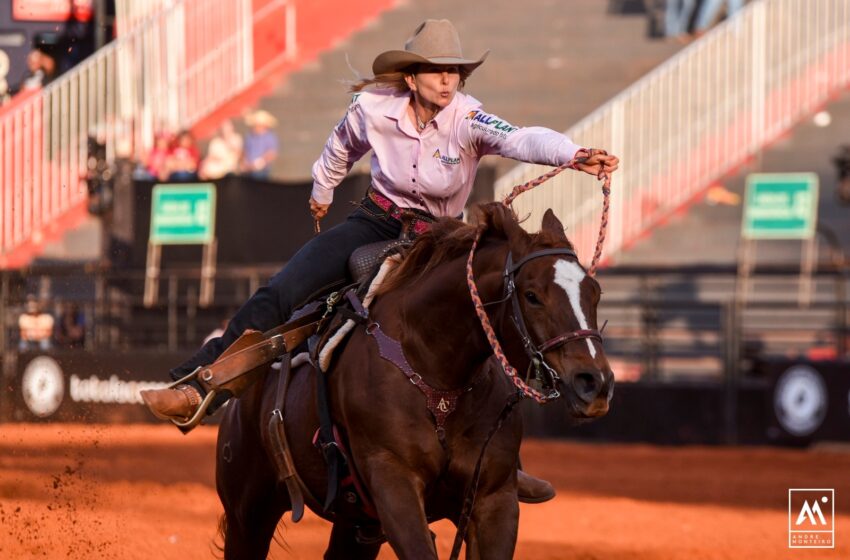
569	275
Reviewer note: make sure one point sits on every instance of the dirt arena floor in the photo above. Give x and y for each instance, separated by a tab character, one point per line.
142	492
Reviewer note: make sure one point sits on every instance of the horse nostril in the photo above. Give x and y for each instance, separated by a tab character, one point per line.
587	386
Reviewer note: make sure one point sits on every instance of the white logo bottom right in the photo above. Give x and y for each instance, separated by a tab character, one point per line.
811	518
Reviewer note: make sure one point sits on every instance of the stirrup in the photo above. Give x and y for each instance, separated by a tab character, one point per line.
199	414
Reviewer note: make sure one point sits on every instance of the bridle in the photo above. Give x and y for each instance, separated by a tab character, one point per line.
538	364
542	370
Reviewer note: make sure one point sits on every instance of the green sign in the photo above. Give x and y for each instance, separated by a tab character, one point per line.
780	206
183	214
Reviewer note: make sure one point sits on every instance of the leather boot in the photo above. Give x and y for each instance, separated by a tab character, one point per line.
178	404
531	490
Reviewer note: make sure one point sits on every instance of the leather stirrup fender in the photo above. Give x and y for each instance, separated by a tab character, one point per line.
244	361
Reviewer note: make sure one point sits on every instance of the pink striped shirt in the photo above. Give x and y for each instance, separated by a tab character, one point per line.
433	170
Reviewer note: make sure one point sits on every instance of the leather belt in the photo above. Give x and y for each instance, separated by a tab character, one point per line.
414	221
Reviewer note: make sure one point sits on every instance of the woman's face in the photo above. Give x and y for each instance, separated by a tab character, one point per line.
435	84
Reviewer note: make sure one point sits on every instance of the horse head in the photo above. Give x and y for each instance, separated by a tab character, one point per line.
548	321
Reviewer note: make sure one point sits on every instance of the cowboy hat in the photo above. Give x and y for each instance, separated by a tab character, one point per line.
434	42
260	118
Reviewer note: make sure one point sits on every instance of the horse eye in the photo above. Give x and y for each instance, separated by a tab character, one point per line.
531	298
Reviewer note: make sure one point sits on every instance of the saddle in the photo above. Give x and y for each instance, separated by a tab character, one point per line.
248	358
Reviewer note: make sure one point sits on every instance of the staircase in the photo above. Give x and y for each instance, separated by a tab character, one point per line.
552	62
699	117
808	148
172	67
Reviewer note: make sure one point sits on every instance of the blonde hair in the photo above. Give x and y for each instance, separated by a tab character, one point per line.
395	80
392	80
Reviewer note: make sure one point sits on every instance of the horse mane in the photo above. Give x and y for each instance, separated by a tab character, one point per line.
448	239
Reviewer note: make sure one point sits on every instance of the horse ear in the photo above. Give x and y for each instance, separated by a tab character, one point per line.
553	224
502	219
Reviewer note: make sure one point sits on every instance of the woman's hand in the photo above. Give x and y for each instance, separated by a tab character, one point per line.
597	162
319	211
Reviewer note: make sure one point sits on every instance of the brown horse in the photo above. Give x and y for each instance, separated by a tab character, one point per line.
412	477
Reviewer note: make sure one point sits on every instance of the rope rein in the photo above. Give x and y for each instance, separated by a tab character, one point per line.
581	157
510	371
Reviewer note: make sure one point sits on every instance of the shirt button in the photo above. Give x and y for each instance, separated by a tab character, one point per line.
414	180
414	166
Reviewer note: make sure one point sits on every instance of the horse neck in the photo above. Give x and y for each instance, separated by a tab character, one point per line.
441	334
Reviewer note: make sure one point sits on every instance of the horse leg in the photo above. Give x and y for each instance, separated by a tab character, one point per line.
400	509
492	531
247	486
344	546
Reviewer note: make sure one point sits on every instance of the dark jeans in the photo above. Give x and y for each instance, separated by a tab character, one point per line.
318	267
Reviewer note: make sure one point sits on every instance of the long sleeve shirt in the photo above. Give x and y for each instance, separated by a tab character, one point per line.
433	169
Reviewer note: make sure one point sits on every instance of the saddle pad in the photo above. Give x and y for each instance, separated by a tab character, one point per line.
334	341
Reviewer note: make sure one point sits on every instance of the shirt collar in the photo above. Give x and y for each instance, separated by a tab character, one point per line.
397	107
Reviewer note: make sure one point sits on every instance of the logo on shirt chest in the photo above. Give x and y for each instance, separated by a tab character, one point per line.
446	159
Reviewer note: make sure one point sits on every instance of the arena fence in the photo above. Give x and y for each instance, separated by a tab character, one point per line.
691	366
698	117
172	68
665	323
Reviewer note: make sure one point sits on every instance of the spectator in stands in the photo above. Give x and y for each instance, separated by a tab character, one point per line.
41	69
71	327
710	11
35	327
687	19
183	158
261	145
155	164
223	153
48	65
677	17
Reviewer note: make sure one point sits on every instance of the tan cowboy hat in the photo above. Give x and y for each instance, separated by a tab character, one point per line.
261	118
434	42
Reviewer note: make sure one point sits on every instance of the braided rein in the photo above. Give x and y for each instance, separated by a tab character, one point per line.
510	371
606	198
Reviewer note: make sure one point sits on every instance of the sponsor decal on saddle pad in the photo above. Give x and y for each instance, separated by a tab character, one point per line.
490	124
446	159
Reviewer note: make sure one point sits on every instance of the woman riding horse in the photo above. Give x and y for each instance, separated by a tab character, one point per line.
427	140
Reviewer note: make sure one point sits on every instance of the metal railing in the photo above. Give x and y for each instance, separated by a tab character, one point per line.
666	323
129	14
171	69
697	117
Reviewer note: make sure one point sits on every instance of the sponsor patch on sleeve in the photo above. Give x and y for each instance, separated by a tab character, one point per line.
354	102
351	107
489	124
